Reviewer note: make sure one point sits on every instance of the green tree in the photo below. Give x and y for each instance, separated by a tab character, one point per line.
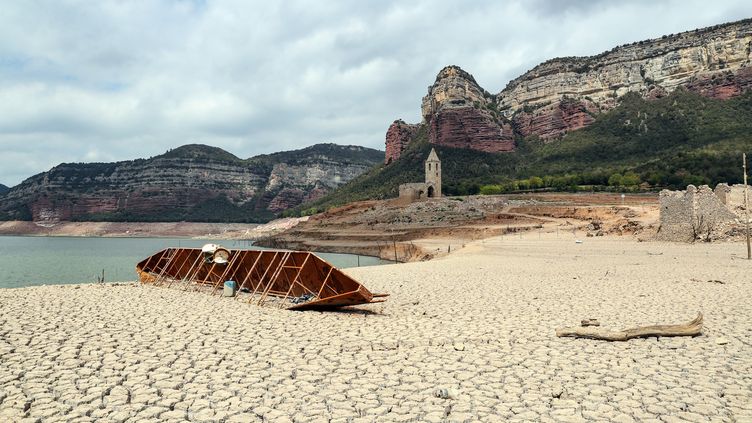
615	180
490	189
536	182
630	179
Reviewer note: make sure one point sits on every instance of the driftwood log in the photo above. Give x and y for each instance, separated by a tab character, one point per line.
692	328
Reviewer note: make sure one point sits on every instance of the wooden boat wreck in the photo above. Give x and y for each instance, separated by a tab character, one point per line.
297	280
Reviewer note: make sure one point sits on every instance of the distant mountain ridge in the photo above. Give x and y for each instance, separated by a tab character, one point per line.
565	94
193	183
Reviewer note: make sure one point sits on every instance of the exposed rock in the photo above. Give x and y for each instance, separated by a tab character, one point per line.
285	199
725	85
191	182
454	88
3	189
556	119
472	128
398	136
712	61
566	94
314	194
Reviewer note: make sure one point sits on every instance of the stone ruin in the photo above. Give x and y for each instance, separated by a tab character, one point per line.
701	213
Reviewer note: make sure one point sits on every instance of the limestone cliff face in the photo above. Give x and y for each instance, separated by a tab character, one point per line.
712	61
453	89
460	114
295	184
189	183
566	94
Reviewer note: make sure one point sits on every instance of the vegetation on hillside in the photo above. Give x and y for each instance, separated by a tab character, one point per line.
67	183
671	142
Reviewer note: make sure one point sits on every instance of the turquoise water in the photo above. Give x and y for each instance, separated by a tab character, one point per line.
26	261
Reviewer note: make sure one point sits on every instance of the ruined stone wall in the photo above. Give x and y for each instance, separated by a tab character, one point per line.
732	196
413	191
695	214
676	215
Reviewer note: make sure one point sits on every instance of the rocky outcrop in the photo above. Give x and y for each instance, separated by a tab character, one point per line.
566	94
398	136
286	198
461	114
3	189
189	183
453	89
712	61
469	127
724	85
458	113
555	119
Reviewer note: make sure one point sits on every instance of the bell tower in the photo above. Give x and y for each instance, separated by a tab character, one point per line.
433	175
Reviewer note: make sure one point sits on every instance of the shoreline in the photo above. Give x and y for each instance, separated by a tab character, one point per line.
468	336
196	230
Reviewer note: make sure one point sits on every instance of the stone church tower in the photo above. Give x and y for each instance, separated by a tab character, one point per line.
433	175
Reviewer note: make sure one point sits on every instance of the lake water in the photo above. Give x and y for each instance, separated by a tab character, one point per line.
26	261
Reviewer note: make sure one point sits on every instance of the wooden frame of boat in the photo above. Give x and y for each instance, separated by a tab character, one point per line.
299	280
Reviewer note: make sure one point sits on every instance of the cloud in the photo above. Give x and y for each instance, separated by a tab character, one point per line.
111	80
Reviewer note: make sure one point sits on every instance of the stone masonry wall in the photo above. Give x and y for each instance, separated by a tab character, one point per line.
694	214
732	196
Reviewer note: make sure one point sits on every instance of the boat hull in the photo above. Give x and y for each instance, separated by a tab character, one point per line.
298	280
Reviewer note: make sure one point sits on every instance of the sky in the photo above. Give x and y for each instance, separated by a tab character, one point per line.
98	81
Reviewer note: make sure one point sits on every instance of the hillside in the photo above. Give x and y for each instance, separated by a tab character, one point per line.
655	113
670	142
191	183
565	94
3	189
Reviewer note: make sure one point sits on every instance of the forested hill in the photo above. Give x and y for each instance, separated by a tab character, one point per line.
193	183
683	138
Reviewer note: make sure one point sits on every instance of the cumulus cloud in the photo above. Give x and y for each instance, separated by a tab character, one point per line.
112	80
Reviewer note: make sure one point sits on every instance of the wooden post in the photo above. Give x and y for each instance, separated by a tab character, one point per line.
394	243
746	205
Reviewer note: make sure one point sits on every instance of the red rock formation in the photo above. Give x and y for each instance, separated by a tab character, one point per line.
722	86
565	94
287	198
398	136
291	197
315	194
471	128
554	120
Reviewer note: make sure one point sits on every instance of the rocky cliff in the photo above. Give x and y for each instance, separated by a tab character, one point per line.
459	113
565	94
193	182
3	189
398	136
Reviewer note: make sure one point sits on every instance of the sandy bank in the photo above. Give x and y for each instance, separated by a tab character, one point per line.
130	229
478	323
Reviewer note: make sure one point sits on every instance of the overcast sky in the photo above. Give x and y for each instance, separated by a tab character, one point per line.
84	81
